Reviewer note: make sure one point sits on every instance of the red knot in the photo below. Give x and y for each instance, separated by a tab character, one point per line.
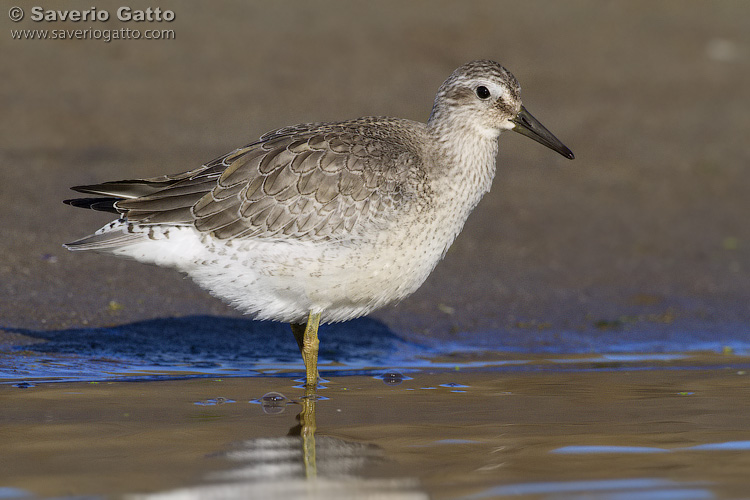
323	222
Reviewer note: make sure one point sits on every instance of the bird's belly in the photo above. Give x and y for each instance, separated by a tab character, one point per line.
285	280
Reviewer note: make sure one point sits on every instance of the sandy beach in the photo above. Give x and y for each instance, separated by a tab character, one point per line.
638	247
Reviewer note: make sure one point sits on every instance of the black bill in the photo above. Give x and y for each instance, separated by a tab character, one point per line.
529	126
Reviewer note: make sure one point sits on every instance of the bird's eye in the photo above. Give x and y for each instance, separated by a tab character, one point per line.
483	92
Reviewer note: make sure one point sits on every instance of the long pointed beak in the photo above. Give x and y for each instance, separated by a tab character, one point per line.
526	124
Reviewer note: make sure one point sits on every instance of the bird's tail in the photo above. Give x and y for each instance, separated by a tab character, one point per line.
116	234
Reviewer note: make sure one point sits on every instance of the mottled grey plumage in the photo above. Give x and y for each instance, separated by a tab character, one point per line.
328	219
308	182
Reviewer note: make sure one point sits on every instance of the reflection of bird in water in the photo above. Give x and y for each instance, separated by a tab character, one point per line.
300	465
323	222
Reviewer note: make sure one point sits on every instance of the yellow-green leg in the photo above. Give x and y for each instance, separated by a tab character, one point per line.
307	432
307	339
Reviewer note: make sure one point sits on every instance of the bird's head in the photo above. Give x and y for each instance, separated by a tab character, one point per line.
486	98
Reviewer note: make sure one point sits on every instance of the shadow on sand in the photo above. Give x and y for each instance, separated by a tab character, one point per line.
207	344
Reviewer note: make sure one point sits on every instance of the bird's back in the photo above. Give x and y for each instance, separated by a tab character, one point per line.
307	182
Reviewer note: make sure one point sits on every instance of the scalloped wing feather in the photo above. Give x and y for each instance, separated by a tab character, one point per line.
310	181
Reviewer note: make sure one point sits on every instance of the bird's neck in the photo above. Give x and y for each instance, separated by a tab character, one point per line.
466	157
468	151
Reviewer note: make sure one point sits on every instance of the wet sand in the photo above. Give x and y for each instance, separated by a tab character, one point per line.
575	427
643	232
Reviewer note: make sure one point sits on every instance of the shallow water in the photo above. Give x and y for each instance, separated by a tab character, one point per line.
466	425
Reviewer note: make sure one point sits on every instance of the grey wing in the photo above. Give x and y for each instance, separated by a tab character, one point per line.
312	184
165	199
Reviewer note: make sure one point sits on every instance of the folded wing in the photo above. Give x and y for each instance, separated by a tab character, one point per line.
309	181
